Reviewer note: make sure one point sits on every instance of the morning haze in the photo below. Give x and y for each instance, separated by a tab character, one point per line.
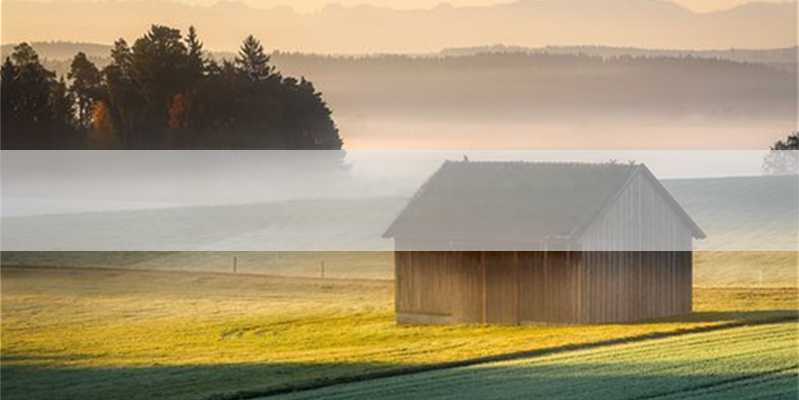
313	5
482	73
377	28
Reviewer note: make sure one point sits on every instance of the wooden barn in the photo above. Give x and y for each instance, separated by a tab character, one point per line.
564	243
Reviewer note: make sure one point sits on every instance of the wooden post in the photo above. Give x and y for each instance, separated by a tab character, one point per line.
235	264
516	305
322	269
485	295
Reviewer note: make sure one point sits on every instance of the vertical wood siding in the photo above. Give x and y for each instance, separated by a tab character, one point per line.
541	287
639	220
635	264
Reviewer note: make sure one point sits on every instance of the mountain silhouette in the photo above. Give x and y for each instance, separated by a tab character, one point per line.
368	29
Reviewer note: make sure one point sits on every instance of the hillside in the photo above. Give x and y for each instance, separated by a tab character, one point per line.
738	214
743	213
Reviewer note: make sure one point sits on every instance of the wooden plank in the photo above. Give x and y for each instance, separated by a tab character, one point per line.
554	287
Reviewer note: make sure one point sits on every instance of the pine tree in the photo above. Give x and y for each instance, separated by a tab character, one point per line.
24	55
162	92
36	107
252	60
121	55
86	86
196	61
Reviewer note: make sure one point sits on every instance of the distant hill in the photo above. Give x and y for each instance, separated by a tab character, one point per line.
568	97
778	57
538	85
59	50
783	58
370	29
738	214
757	210
734	212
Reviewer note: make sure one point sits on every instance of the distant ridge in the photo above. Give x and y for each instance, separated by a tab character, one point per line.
785	55
64	50
370	29
60	50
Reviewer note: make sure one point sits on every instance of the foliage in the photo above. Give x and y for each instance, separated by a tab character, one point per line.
86	86
162	92
101	135
783	159
253	61
37	109
94	333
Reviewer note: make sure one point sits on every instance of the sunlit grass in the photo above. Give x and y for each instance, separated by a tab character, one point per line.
146	334
746	268
711	268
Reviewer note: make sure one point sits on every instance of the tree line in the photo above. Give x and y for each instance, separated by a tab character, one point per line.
163	92
783	157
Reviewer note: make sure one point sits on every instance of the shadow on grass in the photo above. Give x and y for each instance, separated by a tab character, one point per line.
589	380
46	377
227	381
27	358
729	316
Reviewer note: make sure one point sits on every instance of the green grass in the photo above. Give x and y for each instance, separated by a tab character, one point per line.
741	363
115	334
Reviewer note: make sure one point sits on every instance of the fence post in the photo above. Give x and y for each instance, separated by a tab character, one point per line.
235	264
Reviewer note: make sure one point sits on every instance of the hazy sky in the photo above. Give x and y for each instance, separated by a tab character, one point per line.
310	5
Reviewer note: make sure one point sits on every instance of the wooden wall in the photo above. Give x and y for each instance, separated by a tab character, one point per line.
633	286
639	220
533	287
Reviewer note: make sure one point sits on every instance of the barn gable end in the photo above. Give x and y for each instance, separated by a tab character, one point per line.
643	216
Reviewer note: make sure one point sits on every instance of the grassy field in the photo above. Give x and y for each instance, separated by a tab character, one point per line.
711	269
339	265
746	269
742	363
115	334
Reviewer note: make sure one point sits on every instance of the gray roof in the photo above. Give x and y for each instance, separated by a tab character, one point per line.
506	201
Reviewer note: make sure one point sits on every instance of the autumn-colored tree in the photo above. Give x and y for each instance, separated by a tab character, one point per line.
162	93
102	136
179	112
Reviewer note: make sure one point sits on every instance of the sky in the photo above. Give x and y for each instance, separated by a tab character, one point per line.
311	5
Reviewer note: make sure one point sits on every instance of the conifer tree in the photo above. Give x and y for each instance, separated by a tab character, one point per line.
86	86
252	60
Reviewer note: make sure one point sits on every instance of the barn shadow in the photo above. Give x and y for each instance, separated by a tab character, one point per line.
319	380
30	377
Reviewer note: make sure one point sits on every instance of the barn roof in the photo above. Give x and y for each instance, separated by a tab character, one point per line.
509	201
